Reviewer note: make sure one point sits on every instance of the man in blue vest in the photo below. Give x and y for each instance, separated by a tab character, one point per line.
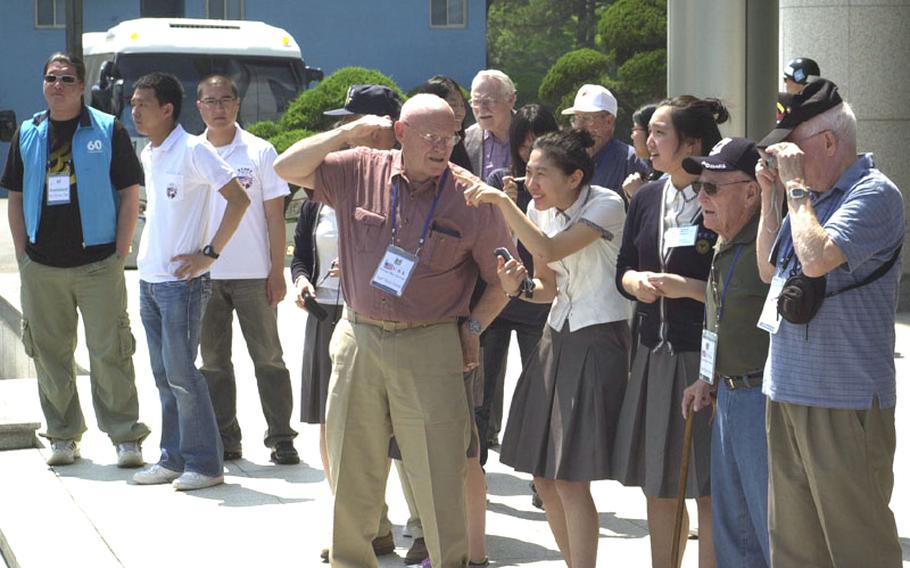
73	182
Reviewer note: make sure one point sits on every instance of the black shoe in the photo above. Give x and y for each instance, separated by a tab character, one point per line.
284	453
232	455
535	498
324	554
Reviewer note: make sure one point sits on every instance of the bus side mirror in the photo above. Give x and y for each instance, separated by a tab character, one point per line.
7	125
313	74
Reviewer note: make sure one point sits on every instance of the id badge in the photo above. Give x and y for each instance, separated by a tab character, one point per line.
708	356
770	319
680	236
58	189
394	270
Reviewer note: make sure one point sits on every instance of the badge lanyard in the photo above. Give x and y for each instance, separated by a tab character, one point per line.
426	224
708	362
719	307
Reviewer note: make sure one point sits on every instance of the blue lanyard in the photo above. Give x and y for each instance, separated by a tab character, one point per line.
719	308
426	224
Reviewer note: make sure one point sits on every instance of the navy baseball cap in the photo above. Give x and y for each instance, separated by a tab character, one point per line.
369	99
728	155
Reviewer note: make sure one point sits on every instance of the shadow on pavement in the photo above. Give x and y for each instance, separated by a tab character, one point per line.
234	495
905	548
506	485
504	551
621	527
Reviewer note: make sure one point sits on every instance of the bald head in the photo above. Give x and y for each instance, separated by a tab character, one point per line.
427	133
425	105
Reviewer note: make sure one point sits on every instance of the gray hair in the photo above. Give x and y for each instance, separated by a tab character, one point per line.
840	120
506	86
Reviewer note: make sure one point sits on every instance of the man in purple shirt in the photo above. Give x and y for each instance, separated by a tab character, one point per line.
595	110
487	141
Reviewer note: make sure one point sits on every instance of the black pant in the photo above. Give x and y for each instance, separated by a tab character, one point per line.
495	346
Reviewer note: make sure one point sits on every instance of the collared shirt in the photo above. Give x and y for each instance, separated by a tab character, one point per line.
613	163
357	183
844	357
741	346
180	176
247	254
496	154
681	209
582	297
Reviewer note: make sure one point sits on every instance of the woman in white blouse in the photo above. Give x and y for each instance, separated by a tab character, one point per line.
563	414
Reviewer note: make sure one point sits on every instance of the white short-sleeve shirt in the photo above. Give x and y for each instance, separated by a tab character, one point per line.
180	176
247	254
585	279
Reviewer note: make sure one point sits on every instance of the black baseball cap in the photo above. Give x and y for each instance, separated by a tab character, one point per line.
816	98
369	99
728	155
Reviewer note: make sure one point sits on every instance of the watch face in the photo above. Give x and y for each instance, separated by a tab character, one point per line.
798	192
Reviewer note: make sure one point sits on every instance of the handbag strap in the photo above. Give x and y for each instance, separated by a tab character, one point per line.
878	273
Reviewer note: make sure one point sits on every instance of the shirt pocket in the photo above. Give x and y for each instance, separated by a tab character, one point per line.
444	248
367	230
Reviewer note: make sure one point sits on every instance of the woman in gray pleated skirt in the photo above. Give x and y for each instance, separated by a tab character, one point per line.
562	420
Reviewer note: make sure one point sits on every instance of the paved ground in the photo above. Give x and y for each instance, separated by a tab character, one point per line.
89	514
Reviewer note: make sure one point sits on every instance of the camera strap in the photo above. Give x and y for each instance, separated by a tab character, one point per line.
878	273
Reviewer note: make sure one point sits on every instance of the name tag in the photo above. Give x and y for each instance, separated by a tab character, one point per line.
770	319
680	236
58	189
708	356
394	271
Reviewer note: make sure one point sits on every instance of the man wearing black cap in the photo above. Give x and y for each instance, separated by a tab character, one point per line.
830	374
368	99
733	354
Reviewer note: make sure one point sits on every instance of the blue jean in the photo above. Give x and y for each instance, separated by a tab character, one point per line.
739	479
172	315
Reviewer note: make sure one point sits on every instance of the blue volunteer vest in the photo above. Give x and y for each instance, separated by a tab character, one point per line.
91	153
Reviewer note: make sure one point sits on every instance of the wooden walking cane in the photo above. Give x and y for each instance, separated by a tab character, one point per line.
681	494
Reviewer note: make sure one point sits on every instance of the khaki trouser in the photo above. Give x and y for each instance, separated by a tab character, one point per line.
406	382
50	298
830	483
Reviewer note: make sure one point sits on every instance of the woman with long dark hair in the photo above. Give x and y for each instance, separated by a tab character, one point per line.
663	265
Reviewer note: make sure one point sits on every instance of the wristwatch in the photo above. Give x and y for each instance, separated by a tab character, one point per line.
474	326
208	251
797	192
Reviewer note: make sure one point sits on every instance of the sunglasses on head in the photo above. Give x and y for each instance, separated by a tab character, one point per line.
65	79
711	188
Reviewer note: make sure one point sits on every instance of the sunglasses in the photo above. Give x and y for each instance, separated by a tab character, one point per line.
712	188
65	79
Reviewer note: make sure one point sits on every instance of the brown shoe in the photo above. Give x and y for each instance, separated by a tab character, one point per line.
417	553
383	545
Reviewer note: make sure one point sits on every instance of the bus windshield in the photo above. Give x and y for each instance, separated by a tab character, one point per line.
267	85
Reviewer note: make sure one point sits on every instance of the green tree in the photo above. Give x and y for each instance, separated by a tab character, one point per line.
571	71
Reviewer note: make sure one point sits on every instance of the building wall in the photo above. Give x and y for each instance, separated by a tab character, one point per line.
393	36
863	46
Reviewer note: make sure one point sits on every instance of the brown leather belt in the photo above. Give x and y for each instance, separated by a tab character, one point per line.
388	325
748	381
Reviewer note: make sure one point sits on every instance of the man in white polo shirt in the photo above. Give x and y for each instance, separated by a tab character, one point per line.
181	171
248	277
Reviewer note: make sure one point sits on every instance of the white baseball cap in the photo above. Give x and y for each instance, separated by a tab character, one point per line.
593	98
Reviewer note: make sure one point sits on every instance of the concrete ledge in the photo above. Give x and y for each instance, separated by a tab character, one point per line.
18	435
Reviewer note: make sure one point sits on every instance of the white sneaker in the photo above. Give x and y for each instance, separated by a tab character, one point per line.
155	475
63	452
129	454
191	480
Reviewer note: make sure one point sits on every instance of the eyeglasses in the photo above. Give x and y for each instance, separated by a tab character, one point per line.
65	79
213	102
804	138
485	102
711	188
582	121
436	139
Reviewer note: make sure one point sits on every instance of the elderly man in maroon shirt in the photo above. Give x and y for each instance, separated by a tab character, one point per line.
410	251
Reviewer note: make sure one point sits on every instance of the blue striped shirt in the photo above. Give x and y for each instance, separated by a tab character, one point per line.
844	357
